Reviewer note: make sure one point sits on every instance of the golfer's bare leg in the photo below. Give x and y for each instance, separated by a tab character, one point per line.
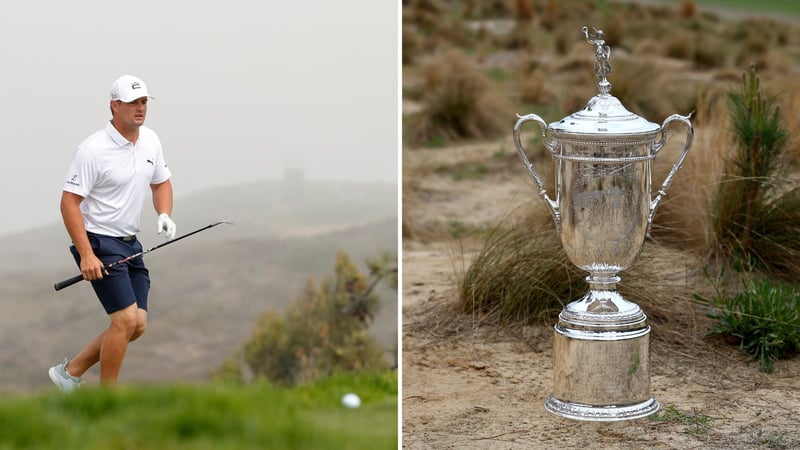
115	343
141	324
90	355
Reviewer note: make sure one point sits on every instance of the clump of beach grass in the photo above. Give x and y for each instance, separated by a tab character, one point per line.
460	103
521	274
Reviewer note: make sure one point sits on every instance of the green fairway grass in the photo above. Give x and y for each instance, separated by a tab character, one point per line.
206	416
790	7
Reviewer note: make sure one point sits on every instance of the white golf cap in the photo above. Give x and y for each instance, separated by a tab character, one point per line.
128	88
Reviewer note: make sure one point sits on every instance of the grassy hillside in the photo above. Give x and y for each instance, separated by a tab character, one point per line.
207	416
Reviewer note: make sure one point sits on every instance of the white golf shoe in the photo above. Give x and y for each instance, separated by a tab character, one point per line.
62	379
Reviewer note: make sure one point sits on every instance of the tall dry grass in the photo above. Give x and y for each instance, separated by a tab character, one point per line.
426	14
521	274
682	220
688	9
787	93
459	102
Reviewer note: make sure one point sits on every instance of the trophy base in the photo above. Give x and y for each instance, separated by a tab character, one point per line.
610	413
602	360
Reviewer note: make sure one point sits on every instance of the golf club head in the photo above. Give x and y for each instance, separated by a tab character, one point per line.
229	222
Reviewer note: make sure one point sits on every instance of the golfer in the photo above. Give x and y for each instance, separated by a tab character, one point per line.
101	204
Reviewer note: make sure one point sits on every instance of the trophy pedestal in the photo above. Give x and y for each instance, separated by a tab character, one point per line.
602	360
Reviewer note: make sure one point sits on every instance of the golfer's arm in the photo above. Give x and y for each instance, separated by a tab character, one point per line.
73	221
162	197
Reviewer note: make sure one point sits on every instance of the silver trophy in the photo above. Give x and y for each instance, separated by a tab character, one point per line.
603	209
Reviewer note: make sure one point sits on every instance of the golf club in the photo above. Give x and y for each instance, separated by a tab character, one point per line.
69	282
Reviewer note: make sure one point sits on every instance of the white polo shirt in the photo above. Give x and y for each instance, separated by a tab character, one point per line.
113	175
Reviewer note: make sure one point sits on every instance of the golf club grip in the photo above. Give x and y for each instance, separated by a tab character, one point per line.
68	282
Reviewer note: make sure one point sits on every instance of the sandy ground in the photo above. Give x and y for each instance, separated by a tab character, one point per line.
470	384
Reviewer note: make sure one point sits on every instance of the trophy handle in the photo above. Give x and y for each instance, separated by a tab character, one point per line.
658	146
550	144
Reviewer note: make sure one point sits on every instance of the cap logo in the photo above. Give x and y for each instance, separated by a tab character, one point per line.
135	85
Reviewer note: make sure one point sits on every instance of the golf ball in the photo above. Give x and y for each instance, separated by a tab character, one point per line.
351	400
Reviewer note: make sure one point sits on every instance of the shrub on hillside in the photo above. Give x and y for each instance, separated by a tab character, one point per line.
324	331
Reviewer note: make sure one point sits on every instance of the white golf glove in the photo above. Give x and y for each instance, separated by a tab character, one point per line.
167	225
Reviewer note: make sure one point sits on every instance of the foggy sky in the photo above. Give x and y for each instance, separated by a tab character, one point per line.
244	90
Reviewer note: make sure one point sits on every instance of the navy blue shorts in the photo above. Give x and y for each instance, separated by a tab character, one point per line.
126	283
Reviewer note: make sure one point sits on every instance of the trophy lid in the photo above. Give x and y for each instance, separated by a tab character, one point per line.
604	114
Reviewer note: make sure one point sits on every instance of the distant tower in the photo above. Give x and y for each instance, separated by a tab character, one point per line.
293	184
